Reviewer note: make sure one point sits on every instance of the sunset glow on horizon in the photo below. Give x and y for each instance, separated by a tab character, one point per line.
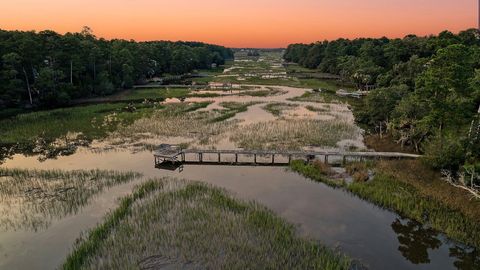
246	23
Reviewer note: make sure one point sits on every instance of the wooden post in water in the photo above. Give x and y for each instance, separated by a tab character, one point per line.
200	157
236	158
273	158
255	158
219	158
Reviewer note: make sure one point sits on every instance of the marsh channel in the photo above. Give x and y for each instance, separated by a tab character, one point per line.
375	237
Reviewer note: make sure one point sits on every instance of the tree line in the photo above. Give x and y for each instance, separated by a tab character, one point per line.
427	91
47	69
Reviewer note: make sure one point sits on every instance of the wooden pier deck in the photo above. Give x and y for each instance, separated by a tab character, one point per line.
174	154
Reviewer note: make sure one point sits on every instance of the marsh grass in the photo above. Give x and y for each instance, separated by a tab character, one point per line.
316	171
31	199
387	192
59	132
317	109
360	170
321	97
262	93
205	95
294	134
93	121
179	120
232	108
277	108
177	224
415	192
157	94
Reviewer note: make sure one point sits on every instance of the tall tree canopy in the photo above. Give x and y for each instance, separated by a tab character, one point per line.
49	69
428	88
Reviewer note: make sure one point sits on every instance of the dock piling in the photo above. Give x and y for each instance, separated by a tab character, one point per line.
175	155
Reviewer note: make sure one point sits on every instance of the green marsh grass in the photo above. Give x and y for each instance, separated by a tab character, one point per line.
158	94
317	109
204	95
232	108
262	93
411	191
318	97
178	224
277	108
93	121
315	172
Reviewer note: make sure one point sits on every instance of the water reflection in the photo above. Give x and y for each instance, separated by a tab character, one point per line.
334	217
415	240
466	258
46	148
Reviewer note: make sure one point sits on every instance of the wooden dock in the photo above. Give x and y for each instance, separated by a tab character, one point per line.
174	154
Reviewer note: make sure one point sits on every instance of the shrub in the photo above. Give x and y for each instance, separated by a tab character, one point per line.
361	176
444	153
359	171
323	168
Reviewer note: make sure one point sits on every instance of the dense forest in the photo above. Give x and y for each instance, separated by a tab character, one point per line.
46	69
427	90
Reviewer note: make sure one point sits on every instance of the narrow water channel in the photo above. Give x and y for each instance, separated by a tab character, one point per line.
377	238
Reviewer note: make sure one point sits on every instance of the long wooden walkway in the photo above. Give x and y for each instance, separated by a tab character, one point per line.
174	154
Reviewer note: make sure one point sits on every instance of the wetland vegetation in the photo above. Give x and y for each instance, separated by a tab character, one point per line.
193	225
295	134
416	194
422	96
31	199
265	104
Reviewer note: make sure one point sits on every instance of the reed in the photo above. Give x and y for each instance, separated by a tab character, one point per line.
411	192
295	134
31	199
277	108
158	94
179	120
93	121
178	224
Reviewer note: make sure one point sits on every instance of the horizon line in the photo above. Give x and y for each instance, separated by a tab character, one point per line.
239	48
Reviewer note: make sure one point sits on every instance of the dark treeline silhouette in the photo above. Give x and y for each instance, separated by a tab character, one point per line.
46	69
427	89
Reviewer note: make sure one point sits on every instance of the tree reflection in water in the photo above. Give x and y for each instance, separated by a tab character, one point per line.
415	240
45	148
467	258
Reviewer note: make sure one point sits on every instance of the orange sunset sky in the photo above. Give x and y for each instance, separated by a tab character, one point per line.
241	23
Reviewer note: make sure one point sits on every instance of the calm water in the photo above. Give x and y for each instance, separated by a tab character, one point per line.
377	238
